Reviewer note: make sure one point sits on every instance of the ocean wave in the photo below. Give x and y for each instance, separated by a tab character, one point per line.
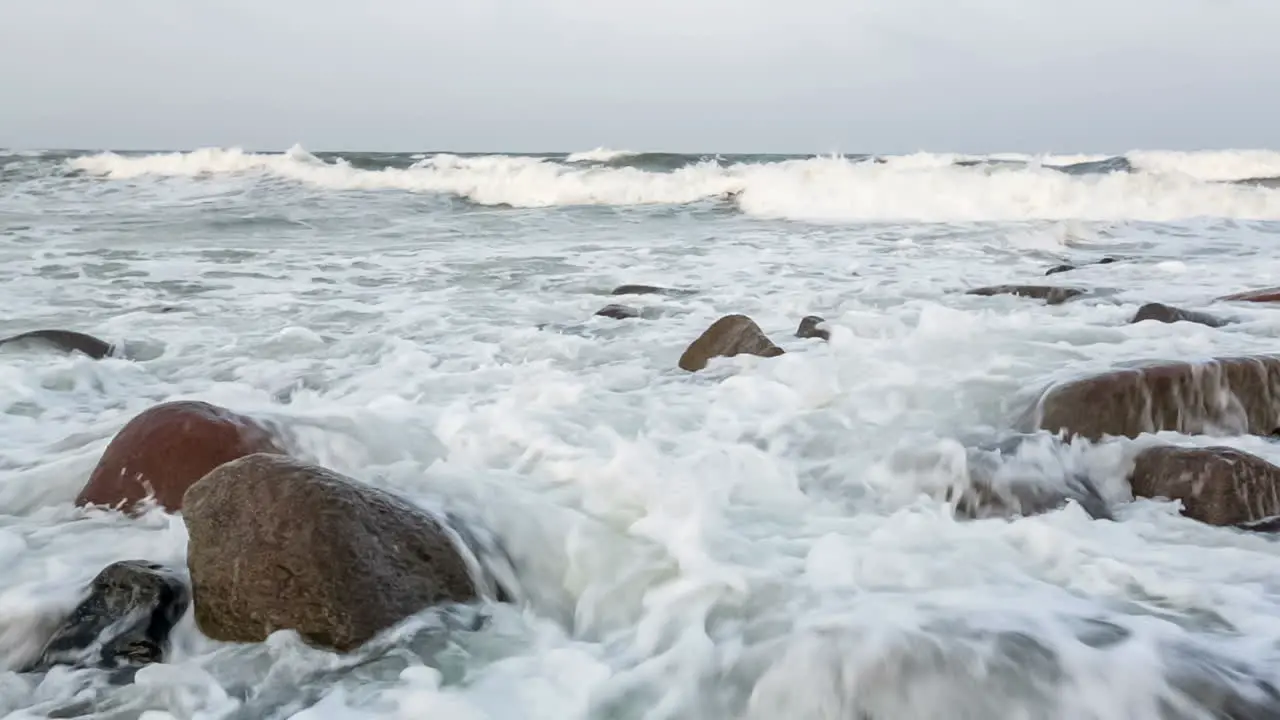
1146	185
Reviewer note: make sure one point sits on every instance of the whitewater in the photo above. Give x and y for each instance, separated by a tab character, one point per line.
766	538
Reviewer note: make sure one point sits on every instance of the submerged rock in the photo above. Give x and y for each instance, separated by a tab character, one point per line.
618	312
1217	485
279	544
729	336
125	621
1223	396
1263	295
65	341
649	290
167	448
1169	314
1051	295
811	327
1067	268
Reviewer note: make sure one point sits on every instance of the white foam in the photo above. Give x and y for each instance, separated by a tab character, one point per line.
922	187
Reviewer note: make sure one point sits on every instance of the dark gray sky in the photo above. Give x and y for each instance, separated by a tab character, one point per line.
677	75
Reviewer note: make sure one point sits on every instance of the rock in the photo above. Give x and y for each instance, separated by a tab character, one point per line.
65	341
618	312
1067	268
1226	395
1217	485
809	328
125	621
1169	314
649	290
1263	295
279	544
729	336
1051	295
167	448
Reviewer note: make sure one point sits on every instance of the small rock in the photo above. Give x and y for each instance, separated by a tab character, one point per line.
125	621
1051	295
65	341
1263	295
1217	485
809	328
1226	395
278	544
1169	314
167	448
649	290
729	336
618	312
1067	268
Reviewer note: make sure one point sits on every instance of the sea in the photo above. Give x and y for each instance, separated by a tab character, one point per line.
766	538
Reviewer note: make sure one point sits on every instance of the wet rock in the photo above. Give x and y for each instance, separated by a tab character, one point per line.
618	312
64	341
278	544
1217	485
1067	268
1263	295
729	336
1169	314
1051	295
649	290
1229	396
810	327
124	622
167	448
1003	484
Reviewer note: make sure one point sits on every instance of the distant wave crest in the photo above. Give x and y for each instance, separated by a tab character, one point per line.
1140	185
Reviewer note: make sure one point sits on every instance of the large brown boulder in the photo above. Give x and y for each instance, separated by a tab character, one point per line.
1217	485
1264	295
729	336
167	448
1229	396
279	544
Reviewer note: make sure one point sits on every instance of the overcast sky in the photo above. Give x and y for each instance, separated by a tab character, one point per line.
676	75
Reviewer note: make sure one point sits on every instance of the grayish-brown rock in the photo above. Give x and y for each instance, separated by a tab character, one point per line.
649	290
618	312
1226	396
729	336
124	621
1051	295
1169	314
1217	485
278	544
811	327
65	341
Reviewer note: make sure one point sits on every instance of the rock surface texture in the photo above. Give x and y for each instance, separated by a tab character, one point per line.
1223	396
1169	314
1051	295
1217	485
279	544
729	336
166	449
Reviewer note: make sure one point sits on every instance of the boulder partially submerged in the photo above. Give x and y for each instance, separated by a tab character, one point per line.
729	336
279	544
1216	485
1227	396
1050	294
1169	314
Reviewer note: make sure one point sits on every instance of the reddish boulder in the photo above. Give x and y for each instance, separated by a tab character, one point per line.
1264	295
729	336
1222	396
165	449
1217	485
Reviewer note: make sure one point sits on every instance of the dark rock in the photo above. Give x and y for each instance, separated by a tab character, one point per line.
729	336
1263	295
1169	314
1051	295
1001	484
1067	268
124	622
649	290
65	341
618	312
279	544
1217	485
809	328
167	448
1226	395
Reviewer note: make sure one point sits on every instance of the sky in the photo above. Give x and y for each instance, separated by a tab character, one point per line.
848	76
